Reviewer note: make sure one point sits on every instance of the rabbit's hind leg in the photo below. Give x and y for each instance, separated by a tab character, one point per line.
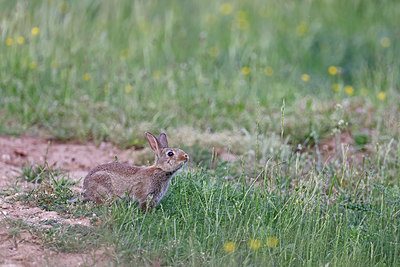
99	188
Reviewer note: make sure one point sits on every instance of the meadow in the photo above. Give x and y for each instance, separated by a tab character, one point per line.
305	95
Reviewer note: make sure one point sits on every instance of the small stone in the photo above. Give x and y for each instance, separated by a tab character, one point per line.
5	157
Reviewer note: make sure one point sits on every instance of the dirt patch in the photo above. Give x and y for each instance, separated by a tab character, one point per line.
340	146
25	249
34	215
76	159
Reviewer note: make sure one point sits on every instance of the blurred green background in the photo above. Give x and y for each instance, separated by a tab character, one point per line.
108	70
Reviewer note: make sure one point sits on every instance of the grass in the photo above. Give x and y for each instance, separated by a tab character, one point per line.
105	71
206	220
271	82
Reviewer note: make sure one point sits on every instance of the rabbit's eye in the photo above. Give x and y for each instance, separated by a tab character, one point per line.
170	154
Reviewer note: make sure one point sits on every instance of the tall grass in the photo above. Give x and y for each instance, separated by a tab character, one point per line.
302	229
101	68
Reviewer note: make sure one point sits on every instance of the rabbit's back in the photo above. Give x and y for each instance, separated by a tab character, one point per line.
111	179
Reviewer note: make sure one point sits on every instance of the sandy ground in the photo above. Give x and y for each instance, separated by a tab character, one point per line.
76	159
26	249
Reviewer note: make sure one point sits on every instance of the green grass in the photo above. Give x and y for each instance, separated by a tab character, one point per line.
203	211
109	71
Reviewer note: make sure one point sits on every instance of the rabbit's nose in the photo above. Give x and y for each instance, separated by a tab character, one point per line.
184	157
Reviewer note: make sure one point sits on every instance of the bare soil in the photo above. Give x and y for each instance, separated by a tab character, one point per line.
26	249
74	158
335	146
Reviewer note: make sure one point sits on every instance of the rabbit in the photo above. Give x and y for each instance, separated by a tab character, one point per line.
147	184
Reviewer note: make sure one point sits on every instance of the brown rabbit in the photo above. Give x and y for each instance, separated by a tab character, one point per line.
147	185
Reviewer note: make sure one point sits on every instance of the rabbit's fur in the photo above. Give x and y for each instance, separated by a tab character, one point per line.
147	185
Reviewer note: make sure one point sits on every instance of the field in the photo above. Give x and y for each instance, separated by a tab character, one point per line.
289	111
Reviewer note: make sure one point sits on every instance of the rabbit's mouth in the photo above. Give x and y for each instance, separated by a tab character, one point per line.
181	165
173	170
173	166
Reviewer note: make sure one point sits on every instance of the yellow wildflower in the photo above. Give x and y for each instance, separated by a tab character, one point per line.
32	65
305	78
63	7
336	87
124	54
240	15
9	41
302	29
246	71
106	88
254	244
332	70
128	89
213	51
86	77
382	96
349	90
20	40
157	75
35	31
269	71
272	242
385	42
242	24
226	8
229	247
54	64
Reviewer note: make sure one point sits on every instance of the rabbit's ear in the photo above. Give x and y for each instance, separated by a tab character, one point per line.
163	140
154	143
